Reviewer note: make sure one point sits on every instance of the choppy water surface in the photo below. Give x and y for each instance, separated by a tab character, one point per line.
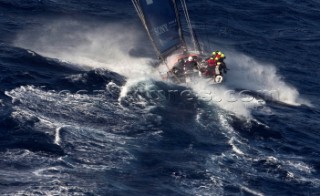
84	113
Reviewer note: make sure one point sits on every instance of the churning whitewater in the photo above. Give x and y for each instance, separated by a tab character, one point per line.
84	110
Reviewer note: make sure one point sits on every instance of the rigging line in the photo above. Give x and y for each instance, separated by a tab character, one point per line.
184	8
142	18
140	13
179	24
194	38
206	26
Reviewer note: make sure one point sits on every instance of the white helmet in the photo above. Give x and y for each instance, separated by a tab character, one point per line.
190	58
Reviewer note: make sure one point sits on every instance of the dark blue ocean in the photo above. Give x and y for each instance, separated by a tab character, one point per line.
83	110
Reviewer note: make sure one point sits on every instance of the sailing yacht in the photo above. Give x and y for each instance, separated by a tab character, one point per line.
163	20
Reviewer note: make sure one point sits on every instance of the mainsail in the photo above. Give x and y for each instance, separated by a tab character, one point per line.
161	20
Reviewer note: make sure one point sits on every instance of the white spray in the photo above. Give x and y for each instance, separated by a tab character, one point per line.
108	46
104	46
247	73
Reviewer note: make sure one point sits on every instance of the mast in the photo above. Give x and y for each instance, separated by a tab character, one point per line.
195	40
184	45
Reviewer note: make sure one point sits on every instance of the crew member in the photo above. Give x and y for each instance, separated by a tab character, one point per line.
210	71
218	56
178	67
222	64
191	63
216	64
222	67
